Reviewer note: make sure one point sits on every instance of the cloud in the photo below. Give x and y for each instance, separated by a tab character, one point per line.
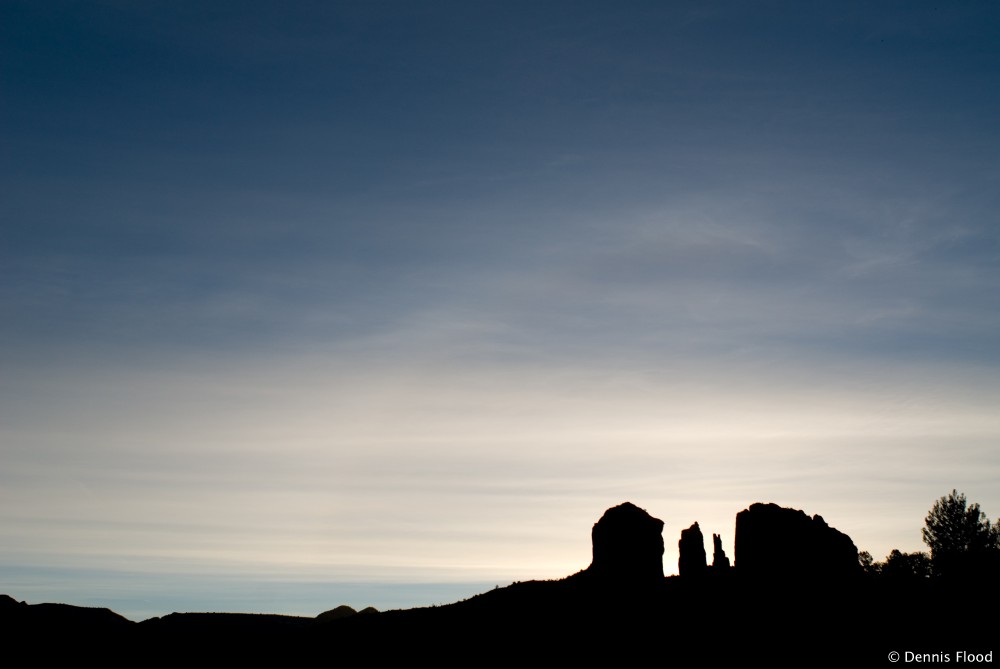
325	464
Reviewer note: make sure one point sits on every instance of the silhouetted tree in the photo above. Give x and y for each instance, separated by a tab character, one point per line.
868	564
900	565
958	534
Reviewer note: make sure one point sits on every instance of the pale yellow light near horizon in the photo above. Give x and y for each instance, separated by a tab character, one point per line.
318	469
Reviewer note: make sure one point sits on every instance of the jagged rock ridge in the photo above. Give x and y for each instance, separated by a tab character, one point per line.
719	559
778	542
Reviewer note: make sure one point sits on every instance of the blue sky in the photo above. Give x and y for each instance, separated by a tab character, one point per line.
409	293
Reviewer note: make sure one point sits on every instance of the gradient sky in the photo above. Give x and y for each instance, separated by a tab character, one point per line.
313	303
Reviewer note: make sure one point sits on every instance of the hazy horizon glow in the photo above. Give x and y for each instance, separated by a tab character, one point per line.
393	301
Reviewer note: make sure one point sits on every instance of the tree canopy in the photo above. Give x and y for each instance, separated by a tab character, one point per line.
956	530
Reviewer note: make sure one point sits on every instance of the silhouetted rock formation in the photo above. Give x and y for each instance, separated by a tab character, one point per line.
628	545
719	559
777	542
52	631
342	611
12	611
692	560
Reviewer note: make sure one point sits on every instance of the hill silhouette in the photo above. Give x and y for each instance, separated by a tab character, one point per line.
795	594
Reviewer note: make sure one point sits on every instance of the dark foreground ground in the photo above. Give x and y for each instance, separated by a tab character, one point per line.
716	618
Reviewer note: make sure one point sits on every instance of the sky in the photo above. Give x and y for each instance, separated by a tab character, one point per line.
384	303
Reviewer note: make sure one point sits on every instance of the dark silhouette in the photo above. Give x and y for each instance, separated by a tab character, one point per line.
342	611
719	560
903	566
961	540
19	614
791	595
776	542
868	564
627	545
691	547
